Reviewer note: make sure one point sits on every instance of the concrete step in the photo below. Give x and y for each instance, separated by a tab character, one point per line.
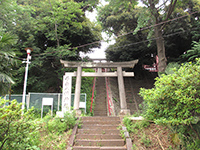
97	126
98	131
98	148
100	102
100	106
110	142
108	122
100	114
98	136
101	118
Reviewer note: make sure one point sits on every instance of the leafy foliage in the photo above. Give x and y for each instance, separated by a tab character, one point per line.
17	131
125	17
7	61
121	18
194	53
175	98
132	126
54	131
60	125
175	101
28	132
53	29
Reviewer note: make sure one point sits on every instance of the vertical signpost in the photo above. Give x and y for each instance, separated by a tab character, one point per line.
66	99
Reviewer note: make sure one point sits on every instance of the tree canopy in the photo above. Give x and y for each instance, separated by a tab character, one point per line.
55	30
163	28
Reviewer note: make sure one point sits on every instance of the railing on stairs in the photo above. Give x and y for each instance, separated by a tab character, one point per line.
93	88
110	104
109	101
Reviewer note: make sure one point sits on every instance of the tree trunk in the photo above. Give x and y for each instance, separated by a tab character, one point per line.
162	61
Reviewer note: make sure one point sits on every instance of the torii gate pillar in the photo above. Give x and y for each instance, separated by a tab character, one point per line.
78	90
122	93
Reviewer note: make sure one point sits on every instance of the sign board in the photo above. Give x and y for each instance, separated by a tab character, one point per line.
48	102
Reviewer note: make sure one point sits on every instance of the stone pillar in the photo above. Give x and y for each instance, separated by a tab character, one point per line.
122	94
66	98
77	90
99	70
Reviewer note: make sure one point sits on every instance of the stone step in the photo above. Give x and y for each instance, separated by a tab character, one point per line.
100	110
132	106
101	118
100	102
98	131
99	126
98	136
110	142
100	106
113	122
98	148
100	114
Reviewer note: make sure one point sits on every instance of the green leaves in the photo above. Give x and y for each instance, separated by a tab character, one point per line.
60	125
17	131
194	53
175	99
53	28
7	60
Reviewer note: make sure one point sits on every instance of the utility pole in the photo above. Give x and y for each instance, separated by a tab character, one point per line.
28	50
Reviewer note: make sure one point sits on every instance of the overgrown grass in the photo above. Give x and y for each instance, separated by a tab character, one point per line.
27	132
147	135
55	132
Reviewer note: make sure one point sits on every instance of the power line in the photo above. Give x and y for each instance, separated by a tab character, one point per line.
145	28
168	35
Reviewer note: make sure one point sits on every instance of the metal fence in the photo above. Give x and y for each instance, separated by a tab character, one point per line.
35	99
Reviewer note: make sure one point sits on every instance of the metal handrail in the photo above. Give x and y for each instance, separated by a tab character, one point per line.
108	98
92	98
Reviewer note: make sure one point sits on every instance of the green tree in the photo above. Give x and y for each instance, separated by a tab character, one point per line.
7	61
154	14
193	53
122	20
54	29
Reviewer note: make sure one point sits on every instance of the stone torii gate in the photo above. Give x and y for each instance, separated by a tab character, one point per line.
67	81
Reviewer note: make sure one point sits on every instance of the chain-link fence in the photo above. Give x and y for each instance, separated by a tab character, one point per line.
35	99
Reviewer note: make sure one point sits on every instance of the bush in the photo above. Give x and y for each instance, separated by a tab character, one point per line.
56	131
17	131
60	125
175	101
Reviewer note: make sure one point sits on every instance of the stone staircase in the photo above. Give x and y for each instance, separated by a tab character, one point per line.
99	133
132	88
100	108
131	93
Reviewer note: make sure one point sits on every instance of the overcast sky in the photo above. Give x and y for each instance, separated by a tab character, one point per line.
98	52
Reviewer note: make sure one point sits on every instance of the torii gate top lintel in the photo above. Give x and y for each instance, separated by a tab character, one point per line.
73	64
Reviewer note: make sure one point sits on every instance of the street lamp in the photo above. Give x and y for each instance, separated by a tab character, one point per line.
28	51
